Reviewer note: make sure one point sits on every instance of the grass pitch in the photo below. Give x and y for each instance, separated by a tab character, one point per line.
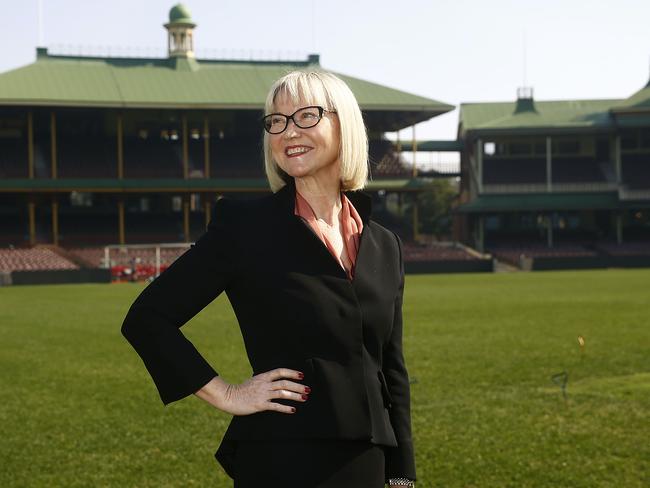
78	408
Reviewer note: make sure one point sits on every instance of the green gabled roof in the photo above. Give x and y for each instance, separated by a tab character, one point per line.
638	102
372	96
178	83
565	114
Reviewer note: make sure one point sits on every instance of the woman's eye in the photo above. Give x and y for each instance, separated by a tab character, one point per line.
277	120
309	115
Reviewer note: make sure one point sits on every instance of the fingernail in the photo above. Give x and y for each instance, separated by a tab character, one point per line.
307	389
293	410
305	397
301	375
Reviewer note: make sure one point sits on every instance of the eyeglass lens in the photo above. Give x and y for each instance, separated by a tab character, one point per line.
304	118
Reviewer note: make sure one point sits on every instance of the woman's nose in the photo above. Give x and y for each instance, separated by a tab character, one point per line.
291	130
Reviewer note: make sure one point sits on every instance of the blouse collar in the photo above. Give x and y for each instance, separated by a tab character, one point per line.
361	200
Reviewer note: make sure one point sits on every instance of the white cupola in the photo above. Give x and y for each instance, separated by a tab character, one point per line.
180	30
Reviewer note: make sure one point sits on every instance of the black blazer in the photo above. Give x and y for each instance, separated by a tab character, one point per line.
297	309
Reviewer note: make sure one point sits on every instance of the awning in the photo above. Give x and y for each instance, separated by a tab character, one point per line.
546	202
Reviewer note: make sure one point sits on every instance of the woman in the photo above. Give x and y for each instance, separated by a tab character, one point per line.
317	289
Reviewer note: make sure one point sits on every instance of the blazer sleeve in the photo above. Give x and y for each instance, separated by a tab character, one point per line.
400	460
152	324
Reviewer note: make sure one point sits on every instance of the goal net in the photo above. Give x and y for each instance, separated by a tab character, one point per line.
137	262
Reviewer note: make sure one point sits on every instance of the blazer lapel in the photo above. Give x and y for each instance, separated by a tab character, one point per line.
286	198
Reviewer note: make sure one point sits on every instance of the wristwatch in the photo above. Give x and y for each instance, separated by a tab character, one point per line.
401	482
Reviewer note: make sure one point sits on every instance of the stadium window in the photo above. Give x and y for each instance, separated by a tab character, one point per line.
143	133
81	199
628	142
173	135
526	221
520	148
10	133
145	204
195	202
195	134
489	148
492	222
164	135
540	148
568	147
645	140
177	203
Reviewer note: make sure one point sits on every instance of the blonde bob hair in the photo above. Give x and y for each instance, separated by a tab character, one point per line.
330	92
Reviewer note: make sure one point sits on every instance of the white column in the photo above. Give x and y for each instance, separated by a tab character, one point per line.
549	165
617	161
479	161
414	149
480	244
158	260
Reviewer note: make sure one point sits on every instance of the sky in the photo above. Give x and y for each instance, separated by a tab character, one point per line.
451	51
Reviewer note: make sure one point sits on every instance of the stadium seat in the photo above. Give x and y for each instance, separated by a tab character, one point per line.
32	259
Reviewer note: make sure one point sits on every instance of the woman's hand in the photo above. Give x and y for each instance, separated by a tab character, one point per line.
257	393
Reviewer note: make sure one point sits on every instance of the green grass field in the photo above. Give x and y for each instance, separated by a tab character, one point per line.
79	410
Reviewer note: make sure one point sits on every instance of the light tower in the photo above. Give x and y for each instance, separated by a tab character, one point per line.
180	39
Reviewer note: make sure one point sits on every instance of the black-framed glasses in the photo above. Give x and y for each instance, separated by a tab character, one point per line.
304	118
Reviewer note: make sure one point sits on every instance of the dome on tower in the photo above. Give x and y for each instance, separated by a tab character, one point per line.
180	32
179	14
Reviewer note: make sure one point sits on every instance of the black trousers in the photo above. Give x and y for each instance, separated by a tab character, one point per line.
309	464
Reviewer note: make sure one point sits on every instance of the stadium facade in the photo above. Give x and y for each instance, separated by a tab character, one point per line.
108	150
572	174
98	151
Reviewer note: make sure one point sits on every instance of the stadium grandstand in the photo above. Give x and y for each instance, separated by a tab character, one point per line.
557	184
102	159
113	164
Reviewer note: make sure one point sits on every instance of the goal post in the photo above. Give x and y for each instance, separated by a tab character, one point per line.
134	262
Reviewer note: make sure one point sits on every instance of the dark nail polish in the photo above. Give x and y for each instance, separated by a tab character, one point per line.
307	389
305	397
301	375
293	410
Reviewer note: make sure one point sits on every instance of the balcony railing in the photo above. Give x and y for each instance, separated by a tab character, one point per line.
625	193
554	188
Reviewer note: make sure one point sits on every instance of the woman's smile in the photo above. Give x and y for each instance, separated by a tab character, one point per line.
294	151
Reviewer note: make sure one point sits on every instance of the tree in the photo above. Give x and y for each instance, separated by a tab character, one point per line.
434	208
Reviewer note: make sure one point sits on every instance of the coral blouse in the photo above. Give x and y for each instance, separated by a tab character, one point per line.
351	227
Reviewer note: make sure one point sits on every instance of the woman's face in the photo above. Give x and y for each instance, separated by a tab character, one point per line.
312	152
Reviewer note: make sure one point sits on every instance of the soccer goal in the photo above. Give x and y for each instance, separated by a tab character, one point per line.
136	262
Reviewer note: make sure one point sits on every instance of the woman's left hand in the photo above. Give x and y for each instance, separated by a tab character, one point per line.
256	394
